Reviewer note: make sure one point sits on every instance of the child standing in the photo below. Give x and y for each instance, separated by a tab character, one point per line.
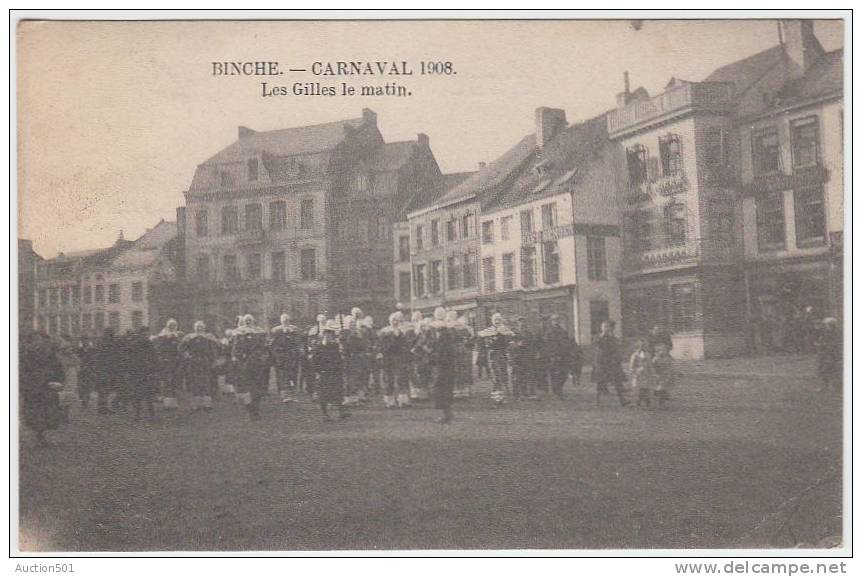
642	375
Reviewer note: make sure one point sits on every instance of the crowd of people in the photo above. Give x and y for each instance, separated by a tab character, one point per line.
344	361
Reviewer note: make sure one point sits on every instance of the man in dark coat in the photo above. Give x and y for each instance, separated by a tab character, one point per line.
607	367
557	353
41	377
444	349
105	359
329	366
522	352
286	346
394	345
141	364
86	370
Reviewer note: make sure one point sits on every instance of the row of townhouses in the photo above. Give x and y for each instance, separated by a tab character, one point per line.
714	209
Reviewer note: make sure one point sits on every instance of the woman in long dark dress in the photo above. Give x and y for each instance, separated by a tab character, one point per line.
328	364
252	358
41	378
199	350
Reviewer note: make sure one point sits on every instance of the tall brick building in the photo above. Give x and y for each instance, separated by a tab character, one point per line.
298	220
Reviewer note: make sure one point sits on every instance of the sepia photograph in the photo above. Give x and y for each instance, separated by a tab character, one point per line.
430	285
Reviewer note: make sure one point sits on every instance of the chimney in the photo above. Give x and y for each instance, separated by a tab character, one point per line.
244	132
482	165
422	138
624	97
549	123
799	41
369	116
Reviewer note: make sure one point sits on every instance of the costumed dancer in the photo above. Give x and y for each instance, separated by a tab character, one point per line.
395	345
251	355
313	338
641	373
200	350
497	338
286	344
166	344
463	360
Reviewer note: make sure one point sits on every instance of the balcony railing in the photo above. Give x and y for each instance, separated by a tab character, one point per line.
661	186
693	252
709	96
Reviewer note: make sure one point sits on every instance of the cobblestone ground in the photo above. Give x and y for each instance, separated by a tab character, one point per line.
748	454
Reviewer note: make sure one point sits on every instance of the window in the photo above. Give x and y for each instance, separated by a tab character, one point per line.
810	216
99	319
505	224
436	277
231	271
87	322
42	298
599	313
597	263
306	214
675	223
65	295
419	235
308	264
88	294
488	232
253	217
137	319
526	222
202	223
137	291
114	321
252	169
55	297
40	323
804	142
76	295
468	269
403	248
451	230
419	280
53	323
766	156
489	275
435	232
549	216
670	151
509	271
253	266
683	303
361	182
637	160
76	325
528	266
114	293
404	286
229	220
378	228
279	268
202	268
278	215
770	221
363	277
551	262
714	155
467	226
453	273
66	325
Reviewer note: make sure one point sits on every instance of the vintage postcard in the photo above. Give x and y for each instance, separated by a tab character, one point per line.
431	285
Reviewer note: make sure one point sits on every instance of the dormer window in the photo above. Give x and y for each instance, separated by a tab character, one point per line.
252	169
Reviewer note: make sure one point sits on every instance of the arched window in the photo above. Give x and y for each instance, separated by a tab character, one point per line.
670	149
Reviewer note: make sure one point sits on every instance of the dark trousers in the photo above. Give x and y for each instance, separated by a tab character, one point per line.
558	376
523	384
444	387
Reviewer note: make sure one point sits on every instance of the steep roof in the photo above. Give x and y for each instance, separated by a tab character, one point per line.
147	248
391	156
825	77
287	141
746	72
563	161
428	197
492	176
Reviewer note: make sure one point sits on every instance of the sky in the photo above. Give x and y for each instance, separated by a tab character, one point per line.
114	117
